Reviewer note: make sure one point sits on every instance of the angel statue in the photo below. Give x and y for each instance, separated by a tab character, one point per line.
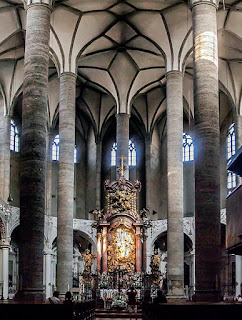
88	257
155	261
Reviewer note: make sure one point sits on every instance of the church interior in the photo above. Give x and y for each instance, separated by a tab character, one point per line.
120	152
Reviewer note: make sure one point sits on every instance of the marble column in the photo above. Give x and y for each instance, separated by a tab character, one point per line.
99	251
48	288
5	157
33	150
206	145
175	236
122	136
65	193
5	269
138	256
104	251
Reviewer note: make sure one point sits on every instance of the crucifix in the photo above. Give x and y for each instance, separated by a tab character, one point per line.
122	167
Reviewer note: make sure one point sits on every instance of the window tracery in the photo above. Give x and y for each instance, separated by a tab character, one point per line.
188	148
14	137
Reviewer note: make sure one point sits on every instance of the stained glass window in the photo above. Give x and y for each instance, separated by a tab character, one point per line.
14	137
132	154
188	148
231	177
114	154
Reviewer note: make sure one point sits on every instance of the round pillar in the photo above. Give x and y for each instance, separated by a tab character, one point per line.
5	157
48	287
138	250
175	236
99	251
33	151
122	136
49	174
98	174
148	171
5	270
104	251
65	194
206	145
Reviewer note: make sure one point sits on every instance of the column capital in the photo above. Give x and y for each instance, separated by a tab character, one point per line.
46	3
214	3
174	72
4	244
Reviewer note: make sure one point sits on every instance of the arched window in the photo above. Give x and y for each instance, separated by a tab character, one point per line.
75	155
188	148
231	177
56	148
114	154
132	154
14	137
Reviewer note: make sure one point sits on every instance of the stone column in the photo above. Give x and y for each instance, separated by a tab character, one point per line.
33	150
48	288
104	251
49	173
207	144
122	136
65	194
175	236
138	249
238	275
148	172
5	157
99	251
238	131
5	271
238	139
98	174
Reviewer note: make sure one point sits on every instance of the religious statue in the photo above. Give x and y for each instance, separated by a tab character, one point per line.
88	257
155	261
121	200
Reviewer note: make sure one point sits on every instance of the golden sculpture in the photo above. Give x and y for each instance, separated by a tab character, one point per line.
121	200
121	250
88	257
155	261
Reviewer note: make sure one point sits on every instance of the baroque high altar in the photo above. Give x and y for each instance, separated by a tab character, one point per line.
121	235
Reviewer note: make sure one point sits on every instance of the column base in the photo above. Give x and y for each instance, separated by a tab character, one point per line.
207	296
30	295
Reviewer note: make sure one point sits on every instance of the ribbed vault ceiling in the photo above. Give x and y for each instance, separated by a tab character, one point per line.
121	51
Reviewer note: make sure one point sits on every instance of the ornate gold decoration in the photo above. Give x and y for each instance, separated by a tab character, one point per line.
122	198
121	249
88	257
122	167
155	262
